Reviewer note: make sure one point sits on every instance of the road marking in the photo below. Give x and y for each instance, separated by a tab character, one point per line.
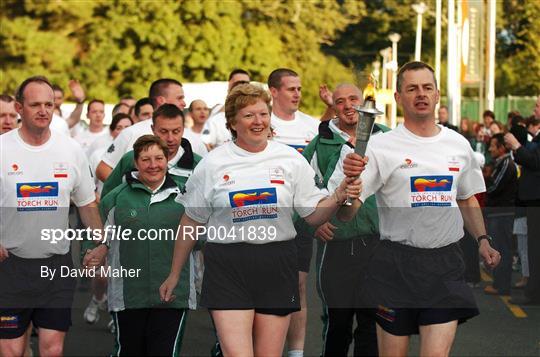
514	309
485	276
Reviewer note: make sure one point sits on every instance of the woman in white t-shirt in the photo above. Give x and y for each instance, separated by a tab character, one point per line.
243	197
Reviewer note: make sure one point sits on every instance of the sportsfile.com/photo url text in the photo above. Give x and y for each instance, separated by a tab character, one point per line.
112	233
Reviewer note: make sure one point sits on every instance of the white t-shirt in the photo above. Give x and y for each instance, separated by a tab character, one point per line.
86	138
296	133
416	181
95	153
236	192
60	125
216	109
102	142
78	128
125	140
196	143
215	131
37	183
94	160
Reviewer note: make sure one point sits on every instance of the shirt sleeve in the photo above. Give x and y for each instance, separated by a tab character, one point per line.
371	176
306	195
501	177
337	175
209	133
94	160
199	147
84	188
117	174
194	200
117	149
529	158
471	181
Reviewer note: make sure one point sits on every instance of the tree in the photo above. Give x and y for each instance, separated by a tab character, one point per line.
518	65
118	47
517	53
360	43
37	38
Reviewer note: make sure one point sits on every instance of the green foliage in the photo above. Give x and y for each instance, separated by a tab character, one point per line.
517	52
518	65
25	50
360	43
117	47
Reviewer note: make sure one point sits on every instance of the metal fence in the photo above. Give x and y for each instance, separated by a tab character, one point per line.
470	107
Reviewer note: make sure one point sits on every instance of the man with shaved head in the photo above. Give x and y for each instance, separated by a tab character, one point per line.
198	110
343	248
199	113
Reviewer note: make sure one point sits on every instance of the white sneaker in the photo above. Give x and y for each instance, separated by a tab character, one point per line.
91	313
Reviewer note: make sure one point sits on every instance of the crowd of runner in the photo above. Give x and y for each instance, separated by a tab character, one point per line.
248	187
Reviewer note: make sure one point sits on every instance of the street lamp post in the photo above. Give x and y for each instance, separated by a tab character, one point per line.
386	56
438	17
451	75
376	70
419	9
491	53
394	37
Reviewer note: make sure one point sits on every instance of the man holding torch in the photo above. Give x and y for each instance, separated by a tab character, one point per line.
342	248
424	177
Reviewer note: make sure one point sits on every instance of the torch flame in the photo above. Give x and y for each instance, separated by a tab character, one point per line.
370	90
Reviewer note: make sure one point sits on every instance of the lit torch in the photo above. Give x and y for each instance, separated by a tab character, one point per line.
366	120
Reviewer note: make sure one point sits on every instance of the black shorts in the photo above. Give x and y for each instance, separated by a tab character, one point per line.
405	322
25	284
244	276
304	246
410	286
14	322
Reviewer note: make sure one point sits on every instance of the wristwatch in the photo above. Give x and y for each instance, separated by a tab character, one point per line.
104	242
485	236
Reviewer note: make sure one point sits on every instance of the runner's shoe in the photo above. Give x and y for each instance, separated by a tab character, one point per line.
91	313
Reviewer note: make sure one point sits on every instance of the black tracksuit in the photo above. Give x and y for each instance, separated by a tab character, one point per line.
529	195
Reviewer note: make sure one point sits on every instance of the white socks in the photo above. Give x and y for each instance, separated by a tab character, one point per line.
295	353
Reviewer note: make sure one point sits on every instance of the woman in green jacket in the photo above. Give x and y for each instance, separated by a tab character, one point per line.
141	218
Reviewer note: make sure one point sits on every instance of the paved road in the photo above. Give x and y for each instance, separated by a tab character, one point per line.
496	332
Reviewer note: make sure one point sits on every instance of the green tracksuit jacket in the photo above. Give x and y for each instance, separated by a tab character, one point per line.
133	206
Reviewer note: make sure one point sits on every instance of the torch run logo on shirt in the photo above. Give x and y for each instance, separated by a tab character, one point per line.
37	196
299	148
431	191
250	204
